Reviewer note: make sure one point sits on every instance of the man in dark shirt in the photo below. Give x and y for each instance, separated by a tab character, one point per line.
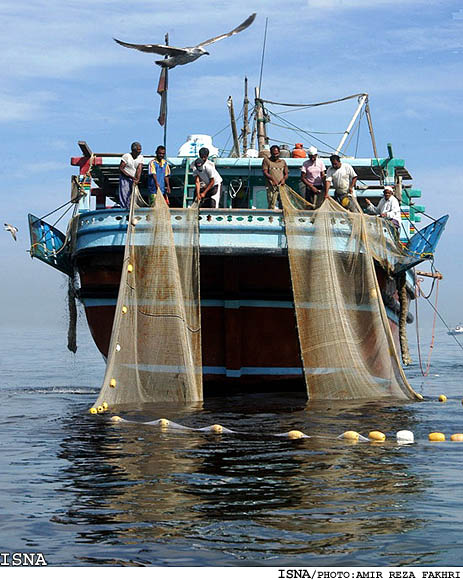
276	174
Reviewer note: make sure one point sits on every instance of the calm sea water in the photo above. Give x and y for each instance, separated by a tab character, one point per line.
86	492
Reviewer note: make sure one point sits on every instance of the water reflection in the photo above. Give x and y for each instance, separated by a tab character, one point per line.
253	496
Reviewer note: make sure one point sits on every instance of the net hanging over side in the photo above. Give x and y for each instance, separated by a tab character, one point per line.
346	343
155	349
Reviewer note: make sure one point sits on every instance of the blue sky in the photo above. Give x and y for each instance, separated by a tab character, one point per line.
64	80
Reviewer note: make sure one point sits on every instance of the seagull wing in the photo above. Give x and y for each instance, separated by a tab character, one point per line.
156	48
11	229
239	28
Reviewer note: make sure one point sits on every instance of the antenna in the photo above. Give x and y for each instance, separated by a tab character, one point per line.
263	54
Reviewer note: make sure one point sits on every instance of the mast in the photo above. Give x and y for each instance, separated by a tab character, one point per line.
162	92
362	101
370	128
166	38
236	143
260	122
245	115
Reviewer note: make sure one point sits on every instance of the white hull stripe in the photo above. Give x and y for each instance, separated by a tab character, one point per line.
257	371
235	304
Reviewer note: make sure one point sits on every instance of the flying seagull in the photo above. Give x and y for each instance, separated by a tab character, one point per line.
177	56
13	231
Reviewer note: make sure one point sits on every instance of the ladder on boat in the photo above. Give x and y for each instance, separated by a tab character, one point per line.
188	188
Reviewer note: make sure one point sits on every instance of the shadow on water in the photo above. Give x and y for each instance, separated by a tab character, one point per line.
189	498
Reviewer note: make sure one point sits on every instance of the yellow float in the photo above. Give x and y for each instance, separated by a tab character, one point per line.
376	436
436	437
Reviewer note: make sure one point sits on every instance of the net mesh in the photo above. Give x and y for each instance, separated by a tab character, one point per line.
155	348
346	343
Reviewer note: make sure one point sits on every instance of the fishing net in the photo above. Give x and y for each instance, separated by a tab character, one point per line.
347	347
155	349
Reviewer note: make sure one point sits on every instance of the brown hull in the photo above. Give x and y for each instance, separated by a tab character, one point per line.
249	331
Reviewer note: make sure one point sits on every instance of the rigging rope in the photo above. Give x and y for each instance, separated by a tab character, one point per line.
300	131
315	104
418	293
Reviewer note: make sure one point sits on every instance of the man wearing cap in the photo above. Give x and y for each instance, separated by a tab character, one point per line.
275	171
312	178
208	182
388	207
343	178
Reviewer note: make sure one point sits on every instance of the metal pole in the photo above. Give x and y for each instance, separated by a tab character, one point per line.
167	85
245	115
261	135
236	143
370	128
362	100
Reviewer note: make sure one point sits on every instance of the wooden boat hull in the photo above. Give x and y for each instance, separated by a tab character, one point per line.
249	329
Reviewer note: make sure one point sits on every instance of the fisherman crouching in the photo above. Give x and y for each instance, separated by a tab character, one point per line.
208	181
388	207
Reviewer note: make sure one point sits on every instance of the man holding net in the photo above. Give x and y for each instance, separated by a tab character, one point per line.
342	177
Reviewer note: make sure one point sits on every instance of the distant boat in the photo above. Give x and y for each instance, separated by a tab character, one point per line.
457	330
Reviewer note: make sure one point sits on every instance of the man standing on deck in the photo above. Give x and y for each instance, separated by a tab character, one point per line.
130	168
343	178
312	178
208	181
276	174
388	207
158	175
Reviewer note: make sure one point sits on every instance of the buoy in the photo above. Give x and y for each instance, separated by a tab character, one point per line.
124	310
351	435
100	409
442	398
116	419
436	437
129	268
405	437
164	423
373	294
376	436
93	411
104	405
419	396
118	347
295	434
112	383
216	428
456	437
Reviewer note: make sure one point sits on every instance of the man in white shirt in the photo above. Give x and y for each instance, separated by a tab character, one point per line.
388	207
208	181
342	177
130	168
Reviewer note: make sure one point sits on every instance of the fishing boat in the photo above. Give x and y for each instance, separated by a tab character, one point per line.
249	331
457	330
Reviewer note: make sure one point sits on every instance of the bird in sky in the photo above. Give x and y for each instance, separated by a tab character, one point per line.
12	229
177	56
